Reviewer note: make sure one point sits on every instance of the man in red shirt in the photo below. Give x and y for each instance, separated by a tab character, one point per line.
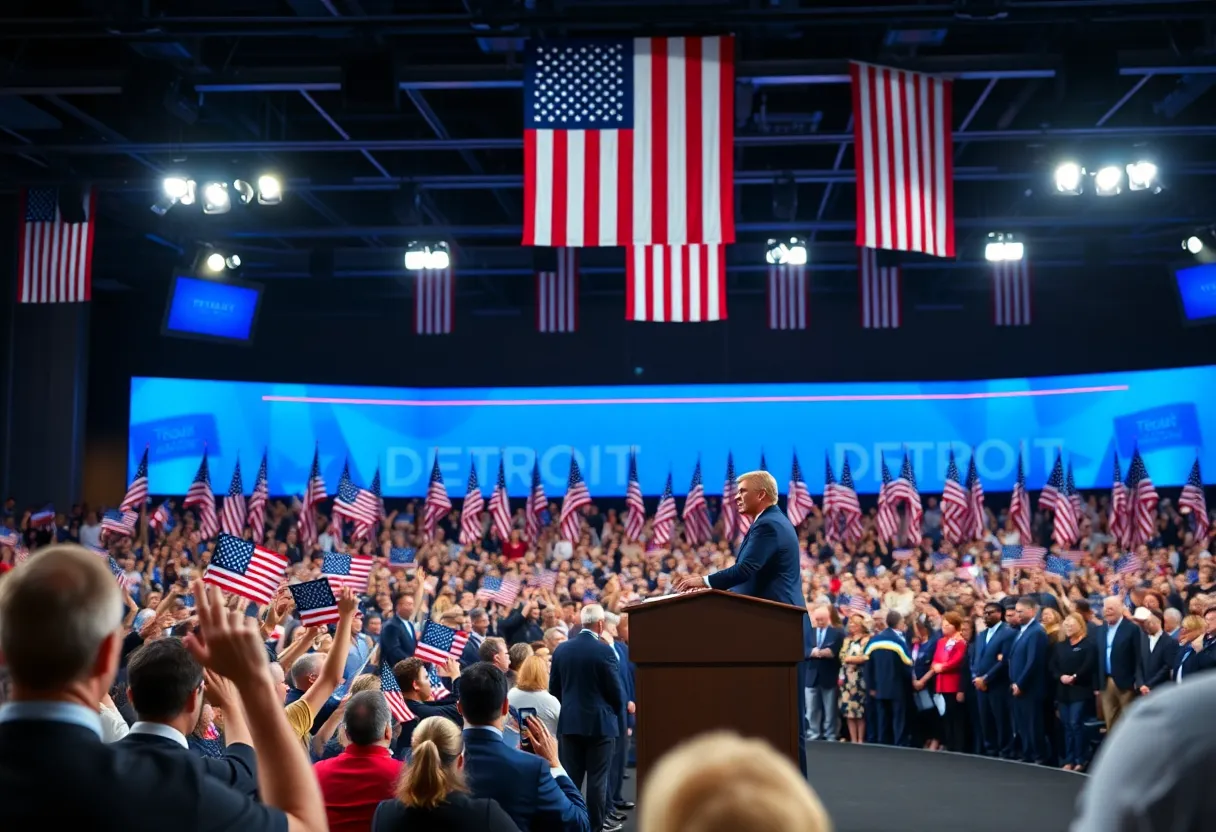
354	782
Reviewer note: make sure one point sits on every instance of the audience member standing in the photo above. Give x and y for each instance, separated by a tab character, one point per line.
1118	643
355	782
888	675
532	691
620	755
823	643
946	671
399	637
1073	666
1028	683
415	683
991	681
1156	654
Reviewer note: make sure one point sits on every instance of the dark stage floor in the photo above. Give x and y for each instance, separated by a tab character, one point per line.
873	788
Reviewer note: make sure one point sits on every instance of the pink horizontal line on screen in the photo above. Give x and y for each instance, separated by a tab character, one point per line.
880	397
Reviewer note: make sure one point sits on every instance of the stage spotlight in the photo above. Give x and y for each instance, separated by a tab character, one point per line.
233	261
216	199
791	252
1002	248
244	191
1142	176
174	189
1069	178
270	190
1108	181
1193	244
215	262
433	256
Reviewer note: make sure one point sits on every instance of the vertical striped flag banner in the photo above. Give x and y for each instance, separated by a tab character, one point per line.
902	123
787	297
557	292
881	288
55	253
1011	298
434	295
676	284
629	141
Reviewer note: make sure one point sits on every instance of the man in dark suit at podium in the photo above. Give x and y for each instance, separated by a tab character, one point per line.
767	564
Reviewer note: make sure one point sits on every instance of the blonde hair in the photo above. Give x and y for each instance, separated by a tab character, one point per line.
440	607
432	773
533	674
720	782
1192	623
1079	620
766	482
364	681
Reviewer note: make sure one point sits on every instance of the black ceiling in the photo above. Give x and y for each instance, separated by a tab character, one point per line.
395	120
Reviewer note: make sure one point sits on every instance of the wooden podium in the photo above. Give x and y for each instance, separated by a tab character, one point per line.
715	660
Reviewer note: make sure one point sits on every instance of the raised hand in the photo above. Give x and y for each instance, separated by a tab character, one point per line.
226	642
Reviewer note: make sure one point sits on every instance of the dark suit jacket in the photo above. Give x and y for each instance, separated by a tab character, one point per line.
585	677
924	656
459	813
992	659
627	681
396	643
1191	662
888	667
1156	667
1124	655
522	785
1028	662
823	674
767	564
469	655
114	788
445	707
238	767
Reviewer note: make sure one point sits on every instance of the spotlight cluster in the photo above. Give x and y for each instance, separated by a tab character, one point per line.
1072	179
217	195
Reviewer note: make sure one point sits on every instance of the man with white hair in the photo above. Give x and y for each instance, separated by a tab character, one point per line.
585	678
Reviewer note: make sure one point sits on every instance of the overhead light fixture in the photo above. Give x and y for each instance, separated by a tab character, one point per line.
1003	248
174	190
216	199
1069	178
1193	244
787	252
1142	176
215	262
427	256
1108	181
244	191
270	190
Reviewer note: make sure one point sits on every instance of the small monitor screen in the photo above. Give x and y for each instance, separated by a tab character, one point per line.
1197	291
221	310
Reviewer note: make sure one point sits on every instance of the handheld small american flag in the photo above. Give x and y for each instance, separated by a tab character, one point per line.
676	284
120	575
347	502
903	554
137	491
55	253
315	603
1019	504
1192	498
434	301
402	556
664	516
502	591
976	520
557	290
730	511
438	688
536	505
1128	564
696	511
888	518
576	497
232	515
119	522
201	497
162	519
629	142
903	145
955	504
438	504
314	495
1011	297
371	507
343	570
439	643
246	569
43	517
904	487
858	605
1119	516
881	289
1143	497
1023	557
545	580
500	504
470	511
798	502
635	517
1059	566
8	537
787	296
257	503
1073	556
392	694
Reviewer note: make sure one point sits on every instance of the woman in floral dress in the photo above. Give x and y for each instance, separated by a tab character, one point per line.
853	688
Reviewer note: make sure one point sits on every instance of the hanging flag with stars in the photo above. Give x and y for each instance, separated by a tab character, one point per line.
55	247
1193	499
439	643
137	491
245	569
342	570
629	141
392	694
315	603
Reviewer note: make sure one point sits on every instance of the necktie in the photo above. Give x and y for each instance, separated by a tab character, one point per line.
820	643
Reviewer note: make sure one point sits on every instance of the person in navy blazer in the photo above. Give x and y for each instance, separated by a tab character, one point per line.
620	752
585	677
1028	683
990	676
398	637
822	674
1118	643
1158	653
767	564
530	787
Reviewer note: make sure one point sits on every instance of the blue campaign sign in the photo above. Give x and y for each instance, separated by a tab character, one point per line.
212	309
400	429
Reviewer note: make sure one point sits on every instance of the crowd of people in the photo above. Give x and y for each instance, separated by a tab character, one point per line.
938	646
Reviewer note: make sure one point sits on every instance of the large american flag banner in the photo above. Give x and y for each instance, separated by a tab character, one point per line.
787	297
798	502
1119	517
557	292
955	504
54	256
676	284
664	516
246	569
576	497
343	570
315	603
1019	504
232	516
137	491
392	694
500	504
200	495
629	142
1011	298
635	515
434	300
439	643
881	287
902	124
438	504
696	510
1023	557
257	503
470	510
976	520
1192	498
730	511
1143	497
536	505
314	494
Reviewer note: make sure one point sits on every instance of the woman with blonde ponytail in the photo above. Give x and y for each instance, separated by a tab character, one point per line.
432	795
